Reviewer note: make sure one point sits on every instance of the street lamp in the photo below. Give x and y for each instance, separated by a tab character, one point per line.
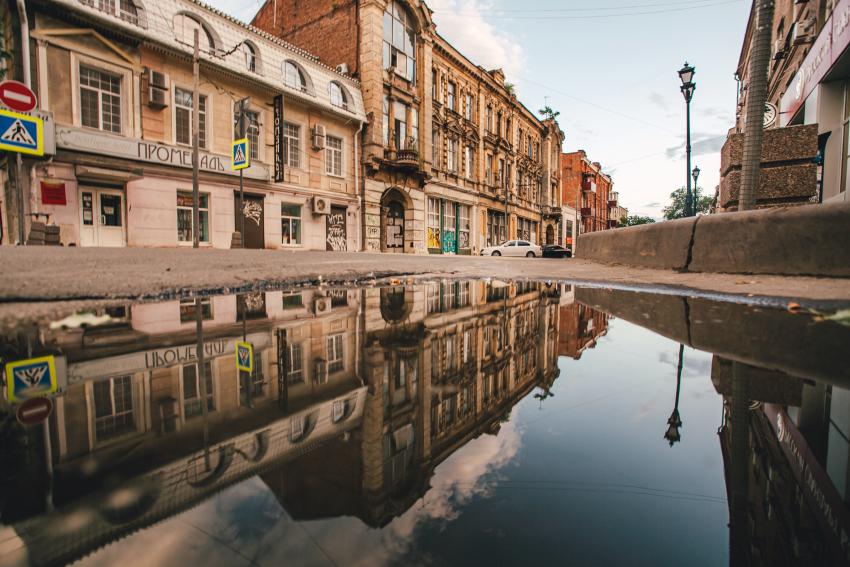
675	422
687	88
695	173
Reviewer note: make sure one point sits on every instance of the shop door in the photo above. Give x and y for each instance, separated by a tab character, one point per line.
395	227
550	235
253	212
335	236
104	222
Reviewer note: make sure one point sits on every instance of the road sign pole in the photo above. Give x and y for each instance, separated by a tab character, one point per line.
202	374
20	183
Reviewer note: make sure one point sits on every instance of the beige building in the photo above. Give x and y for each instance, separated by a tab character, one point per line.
447	144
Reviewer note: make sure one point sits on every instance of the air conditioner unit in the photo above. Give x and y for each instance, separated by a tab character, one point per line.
157	98
805	31
322	306
342	68
318	130
321	371
157	79
321	206
778	49
318	142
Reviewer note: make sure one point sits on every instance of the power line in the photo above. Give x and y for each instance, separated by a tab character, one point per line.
664	152
480	15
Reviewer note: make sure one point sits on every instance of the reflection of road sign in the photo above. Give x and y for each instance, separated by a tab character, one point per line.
17	96
30	378
244	356
239	154
21	133
34	411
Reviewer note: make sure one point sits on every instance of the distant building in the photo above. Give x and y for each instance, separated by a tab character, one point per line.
585	186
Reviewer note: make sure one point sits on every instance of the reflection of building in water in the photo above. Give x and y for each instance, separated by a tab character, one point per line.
797	462
581	326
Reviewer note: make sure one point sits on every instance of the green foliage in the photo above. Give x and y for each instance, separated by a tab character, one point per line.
547	113
510	87
635	220
676	209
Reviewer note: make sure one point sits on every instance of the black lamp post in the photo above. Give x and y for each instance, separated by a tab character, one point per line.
695	173
687	88
675	422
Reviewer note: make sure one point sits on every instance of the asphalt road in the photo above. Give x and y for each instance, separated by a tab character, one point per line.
52	274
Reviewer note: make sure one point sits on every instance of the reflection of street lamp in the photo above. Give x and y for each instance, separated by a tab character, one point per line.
695	173
675	422
687	88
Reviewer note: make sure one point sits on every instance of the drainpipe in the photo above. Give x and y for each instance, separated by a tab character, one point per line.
357	187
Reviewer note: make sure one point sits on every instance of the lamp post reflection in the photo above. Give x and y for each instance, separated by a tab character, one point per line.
675	421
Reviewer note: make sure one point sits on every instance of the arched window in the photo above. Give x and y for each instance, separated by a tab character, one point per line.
184	30
338	97
399	40
250	57
293	77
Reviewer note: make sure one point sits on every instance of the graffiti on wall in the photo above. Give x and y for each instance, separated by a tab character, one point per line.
463	240
449	242
336	239
433	237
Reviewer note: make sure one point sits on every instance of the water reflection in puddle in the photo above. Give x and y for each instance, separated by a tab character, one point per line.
452	423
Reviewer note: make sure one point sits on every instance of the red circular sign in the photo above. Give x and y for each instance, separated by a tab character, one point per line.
17	96
34	411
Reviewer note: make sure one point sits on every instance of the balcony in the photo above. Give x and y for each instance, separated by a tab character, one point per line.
588	212
612	204
588	186
549	211
613	223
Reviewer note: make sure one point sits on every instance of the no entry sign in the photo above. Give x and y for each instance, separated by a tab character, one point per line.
17	96
34	411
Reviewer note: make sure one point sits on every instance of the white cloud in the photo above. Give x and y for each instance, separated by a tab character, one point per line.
481	42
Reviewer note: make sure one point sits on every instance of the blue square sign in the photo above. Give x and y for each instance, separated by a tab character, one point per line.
21	133
30	378
239	154
244	356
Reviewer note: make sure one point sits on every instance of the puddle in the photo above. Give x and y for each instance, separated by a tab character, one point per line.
448	423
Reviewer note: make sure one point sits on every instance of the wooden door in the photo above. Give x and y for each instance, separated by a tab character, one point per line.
336	237
252	210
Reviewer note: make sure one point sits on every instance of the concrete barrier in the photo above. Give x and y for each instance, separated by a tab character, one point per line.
804	240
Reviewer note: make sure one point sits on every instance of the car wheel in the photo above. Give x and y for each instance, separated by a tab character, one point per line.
530	255
496	253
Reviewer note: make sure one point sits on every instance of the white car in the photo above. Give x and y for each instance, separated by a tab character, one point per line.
514	248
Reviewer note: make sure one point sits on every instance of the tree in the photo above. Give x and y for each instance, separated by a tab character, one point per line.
635	220
548	113
676	209
510	87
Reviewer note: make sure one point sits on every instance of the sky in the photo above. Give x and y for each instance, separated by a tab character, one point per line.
611	70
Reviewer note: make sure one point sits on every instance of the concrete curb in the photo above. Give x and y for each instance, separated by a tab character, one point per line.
809	240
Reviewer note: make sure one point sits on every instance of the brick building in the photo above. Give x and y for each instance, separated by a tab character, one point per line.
583	182
447	142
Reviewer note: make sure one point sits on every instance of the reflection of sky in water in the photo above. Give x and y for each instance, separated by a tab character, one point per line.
587	480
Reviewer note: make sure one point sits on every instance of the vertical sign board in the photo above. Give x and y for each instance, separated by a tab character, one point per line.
31	378
278	139
244	356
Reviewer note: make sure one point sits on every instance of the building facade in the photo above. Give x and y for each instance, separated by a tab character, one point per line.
117	81
452	161
590	190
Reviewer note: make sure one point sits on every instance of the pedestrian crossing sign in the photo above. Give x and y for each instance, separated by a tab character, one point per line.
30	378
239	154
244	356
21	133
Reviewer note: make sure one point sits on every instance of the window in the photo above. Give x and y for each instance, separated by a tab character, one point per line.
126	9
333	156
449	297
113	407
192	390
290	224
183	105
470	102
434	84
292	300
292	145
297	429
433	223
399	41
187	310
338	410
451	355
499	124
528	147
257	378
435	360
452	154
294	365
489	170
185	203
400	384
250	57
335	362
252	131
452	100
338	97
100	100
433	300
468	161
449	226
489	119
400	117
463	293
184	31
414	128
435	148
467	346
449	410
501	179
487	341
293	77
385	113
463	235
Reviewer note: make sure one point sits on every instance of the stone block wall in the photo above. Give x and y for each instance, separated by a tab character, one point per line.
787	177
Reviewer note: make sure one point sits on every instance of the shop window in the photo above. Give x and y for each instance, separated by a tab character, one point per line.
185	201
183	106
113	407
333	156
187	309
192	390
335	360
100	100
450	234
433	223
290	224
252	132
338	97
399	46
294	365
292	145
